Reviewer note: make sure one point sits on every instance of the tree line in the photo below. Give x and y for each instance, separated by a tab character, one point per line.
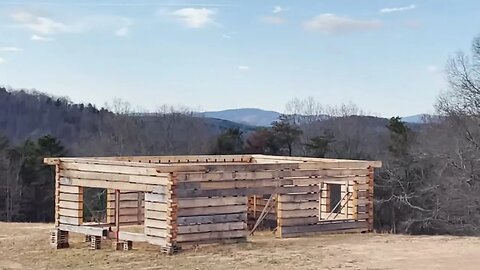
429	182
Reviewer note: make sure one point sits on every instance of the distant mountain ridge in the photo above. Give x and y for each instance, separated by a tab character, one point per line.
246	116
259	117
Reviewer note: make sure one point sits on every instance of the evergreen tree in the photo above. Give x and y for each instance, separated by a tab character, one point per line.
285	133
229	142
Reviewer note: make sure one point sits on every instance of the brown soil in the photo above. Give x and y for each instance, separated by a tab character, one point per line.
26	246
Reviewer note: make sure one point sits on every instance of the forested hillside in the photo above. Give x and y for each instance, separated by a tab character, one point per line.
429	182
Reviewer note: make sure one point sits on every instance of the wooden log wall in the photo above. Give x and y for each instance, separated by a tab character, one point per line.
132	207
157	217
298	191
69	210
211	219
305	213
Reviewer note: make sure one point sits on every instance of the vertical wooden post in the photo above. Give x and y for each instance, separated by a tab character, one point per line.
355	200
139	208
278	231
370	198
57	194
117	213
255	206
172	210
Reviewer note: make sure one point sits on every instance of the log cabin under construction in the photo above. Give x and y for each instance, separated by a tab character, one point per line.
189	200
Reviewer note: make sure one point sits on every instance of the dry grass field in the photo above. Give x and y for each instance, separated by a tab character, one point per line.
25	246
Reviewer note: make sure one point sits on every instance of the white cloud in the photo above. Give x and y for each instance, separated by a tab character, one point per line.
194	17
39	24
124	31
227	36
10	49
43	28
2	60
243	67
278	9
397	9
273	20
40	38
333	24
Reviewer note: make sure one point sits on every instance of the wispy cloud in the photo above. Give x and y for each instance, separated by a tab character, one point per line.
227	36
2	60
333	24
39	24
124	30
10	49
278	9
397	9
273	20
194	17
243	67
40	38
43	27
276	18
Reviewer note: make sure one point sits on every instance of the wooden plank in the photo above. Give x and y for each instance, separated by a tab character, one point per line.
70	220
221	167
155	215
200	211
113	167
329	175
204	219
298	206
298	197
134	237
70	189
111	185
96	231
210	235
156	206
155	180
214	201
153	197
342	163
159	159
71	212
297	213
71	197
212	227
70	205
155	232
153	223
244	191
297	221
323	227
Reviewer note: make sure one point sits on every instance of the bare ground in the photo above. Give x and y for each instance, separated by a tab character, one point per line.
25	246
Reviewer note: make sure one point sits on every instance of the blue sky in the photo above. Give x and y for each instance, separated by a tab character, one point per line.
385	56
